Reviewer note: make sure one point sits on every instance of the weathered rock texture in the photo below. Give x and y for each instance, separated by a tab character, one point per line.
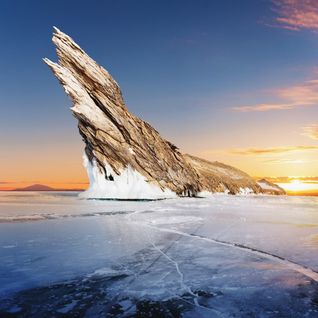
218	177
116	138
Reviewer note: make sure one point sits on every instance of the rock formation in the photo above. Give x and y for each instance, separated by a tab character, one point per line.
125	156
270	188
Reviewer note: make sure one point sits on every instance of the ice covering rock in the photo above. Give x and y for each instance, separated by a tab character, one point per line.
125	156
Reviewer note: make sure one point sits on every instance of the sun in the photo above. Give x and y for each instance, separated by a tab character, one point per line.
299	186
296	186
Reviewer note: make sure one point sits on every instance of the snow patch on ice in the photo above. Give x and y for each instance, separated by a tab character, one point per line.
105	271
130	184
208	194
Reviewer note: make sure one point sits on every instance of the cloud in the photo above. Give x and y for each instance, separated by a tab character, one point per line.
311	131
301	95
296	14
263	107
304	179
273	150
285	161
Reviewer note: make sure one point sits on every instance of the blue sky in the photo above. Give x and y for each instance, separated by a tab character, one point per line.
182	66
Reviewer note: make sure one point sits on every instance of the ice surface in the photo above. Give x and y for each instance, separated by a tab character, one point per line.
221	256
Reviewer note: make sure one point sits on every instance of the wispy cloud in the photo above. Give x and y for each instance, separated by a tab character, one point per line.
296	14
292	15
266	152
263	107
285	161
305	94
305	179
311	131
273	150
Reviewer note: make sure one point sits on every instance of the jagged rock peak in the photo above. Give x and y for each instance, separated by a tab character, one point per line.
125	156
114	137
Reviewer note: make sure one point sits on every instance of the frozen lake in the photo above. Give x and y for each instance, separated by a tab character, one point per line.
223	256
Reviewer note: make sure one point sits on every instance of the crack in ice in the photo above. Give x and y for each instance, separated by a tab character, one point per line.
183	285
302	269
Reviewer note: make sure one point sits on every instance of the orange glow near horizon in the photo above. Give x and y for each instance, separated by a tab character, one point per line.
60	166
54	185
290	185
296	186
299	187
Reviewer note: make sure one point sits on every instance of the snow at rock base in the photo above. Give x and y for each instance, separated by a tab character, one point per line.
128	185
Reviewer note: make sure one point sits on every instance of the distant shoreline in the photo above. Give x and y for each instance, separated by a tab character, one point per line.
53	190
303	194
293	194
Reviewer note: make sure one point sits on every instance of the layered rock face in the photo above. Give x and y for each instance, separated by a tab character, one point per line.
125	156
270	188
219	177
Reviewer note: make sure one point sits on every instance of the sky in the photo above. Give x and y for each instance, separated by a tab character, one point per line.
233	81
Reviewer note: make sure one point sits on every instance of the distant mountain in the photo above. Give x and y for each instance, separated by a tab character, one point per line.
43	187
35	187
